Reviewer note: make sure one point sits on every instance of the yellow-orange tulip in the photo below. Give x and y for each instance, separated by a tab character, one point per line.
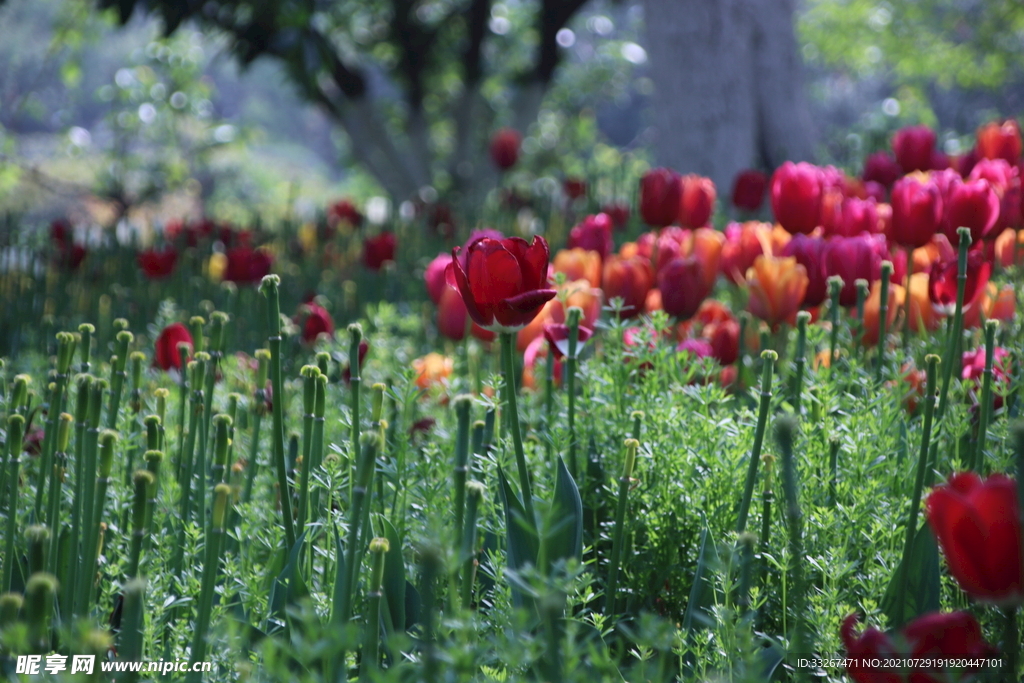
922	315
579	264
1008	242
777	286
1000	304
706	245
873	313
939	249
432	369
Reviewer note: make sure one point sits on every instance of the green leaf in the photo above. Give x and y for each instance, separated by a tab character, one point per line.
702	593
521	538
339	575
923	581
288	588
394	575
564	539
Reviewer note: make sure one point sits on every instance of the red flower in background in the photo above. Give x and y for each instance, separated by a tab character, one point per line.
796	194
157	265
434	276
683	287
748	189
914	147
972	365
697	201
558	338
942	284
1000	140
881	168
379	249
724	338
61	233
931	636
661	192
346	374
505	148
743	243
977	524
344	211
629	279
974	205
165	352
246	265
619	213
318	321
504	283
593	234
916	212
853	258
574	188
856	216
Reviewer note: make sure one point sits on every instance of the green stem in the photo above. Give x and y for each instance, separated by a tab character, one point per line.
573	322
355	382
768	359
118	376
142	480
214	548
785	430
15	431
883	317
87	577
835	286
462	406
797	387
978	464
508	345
611	586
371	643
475	493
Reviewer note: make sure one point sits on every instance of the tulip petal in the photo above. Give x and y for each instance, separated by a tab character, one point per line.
454	272
962	538
532	259
519	310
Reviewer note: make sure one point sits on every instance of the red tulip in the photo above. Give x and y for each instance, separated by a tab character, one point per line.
942	281
379	250
856	216
558	338
997	172
965	163
881	168
344	212
619	213
70	257
972	366
743	243
977	524
660	194
435	278
504	282
683	287
973	205
697	201
913	147
574	188
593	234
61	233
318	321
796	194
165	354
724	338
246	265
916	212
157	264
748	189
853	258
875	191
810	253
630	279
1000	141
505	148
451	313
931	636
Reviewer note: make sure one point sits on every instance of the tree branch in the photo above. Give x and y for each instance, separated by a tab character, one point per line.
553	16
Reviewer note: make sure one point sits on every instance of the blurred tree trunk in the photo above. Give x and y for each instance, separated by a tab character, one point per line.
728	86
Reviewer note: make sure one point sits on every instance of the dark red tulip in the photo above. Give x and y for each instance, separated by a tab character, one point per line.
942	281
574	188
504	283
977	524
913	147
856	216
965	163
661	191
61	233
697	201
748	189
940	160
558	338
157	265
973	205
796	194
931	636
317	321
683	287
246	265
344	211
505	148
619	213
165	355
594	233
379	249
853	258
70	256
724	338
916	212
451	313
1000	140
881	168
810	253
875	191
629	279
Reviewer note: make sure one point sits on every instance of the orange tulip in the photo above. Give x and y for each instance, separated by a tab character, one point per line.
922	314
822	359
535	328
744	243
628	278
432	369
780	237
577	293
1005	247
706	244
939	249
579	264
777	286
1000	140
1000	304
653	301
872	311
